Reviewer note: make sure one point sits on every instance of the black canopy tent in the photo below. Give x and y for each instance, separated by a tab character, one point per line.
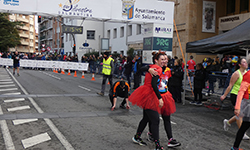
235	41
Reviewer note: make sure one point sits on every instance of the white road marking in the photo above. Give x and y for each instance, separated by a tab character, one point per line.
11	89
35	140
7	85
54	129
18	108
84	88
6	134
170	121
23	121
51	75
14	100
6	82
18	93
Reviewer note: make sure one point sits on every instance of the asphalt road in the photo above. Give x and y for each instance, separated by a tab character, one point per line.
65	112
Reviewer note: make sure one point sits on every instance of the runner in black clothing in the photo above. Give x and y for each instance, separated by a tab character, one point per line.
16	63
121	89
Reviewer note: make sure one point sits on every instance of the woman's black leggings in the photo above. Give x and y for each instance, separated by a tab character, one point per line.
167	126
151	117
243	128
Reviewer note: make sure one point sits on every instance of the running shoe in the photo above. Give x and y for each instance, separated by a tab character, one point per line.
226	125
150	137
233	148
101	94
198	104
158	148
192	103
245	137
139	141
173	143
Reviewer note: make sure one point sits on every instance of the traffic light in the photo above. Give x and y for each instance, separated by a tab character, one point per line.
39	19
74	49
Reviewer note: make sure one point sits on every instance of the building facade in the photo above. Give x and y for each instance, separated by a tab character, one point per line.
27	33
193	23
50	34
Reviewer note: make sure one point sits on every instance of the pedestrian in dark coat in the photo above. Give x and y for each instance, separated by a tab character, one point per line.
128	69
175	82
199	84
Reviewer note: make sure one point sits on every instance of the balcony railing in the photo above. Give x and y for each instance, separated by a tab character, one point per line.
22	35
24	43
22	19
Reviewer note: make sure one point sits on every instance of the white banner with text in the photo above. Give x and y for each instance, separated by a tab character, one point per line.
46	64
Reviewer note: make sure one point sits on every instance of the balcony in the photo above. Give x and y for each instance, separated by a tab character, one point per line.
24	43
31	44
50	37
32	29
32	22
22	19
42	38
23	28
32	37
22	35
42	28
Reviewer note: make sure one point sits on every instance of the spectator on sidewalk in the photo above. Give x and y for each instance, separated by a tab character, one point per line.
137	72
199	84
128	69
175	82
191	66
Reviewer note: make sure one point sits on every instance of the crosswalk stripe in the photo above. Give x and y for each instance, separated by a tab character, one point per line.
14	100
11	89
12	93
6	134
7	85
23	121
6	82
18	108
35	140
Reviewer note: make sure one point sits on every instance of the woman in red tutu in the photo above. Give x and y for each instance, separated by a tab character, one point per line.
149	99
169	104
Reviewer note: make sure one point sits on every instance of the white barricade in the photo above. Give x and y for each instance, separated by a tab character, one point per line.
46	64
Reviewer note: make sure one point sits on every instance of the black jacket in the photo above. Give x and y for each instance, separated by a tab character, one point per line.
128	67
199	79
138	66
177	76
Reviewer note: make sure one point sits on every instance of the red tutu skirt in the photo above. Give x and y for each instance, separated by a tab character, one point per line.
169	104
145	97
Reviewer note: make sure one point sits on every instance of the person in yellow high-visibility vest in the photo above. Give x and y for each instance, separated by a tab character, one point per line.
107	71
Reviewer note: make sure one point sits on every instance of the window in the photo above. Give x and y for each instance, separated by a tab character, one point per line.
91	34
129	30
122	32
138	29
244	4
24	17
108	34
230	6
115	33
